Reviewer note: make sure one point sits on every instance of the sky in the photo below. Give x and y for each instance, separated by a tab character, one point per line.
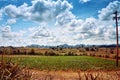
56	22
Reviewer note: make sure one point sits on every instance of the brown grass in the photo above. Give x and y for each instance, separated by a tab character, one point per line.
79	75
12	71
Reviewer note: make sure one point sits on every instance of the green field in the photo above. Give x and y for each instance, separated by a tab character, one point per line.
64	62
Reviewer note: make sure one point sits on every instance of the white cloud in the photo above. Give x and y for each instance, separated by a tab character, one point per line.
73	30
6	33
1	14
11	21
91	29
84	1
8	37
40	10
64	19
42	35
40	32
107	13
89	32
12	11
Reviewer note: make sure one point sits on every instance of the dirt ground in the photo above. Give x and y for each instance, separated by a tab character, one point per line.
71	75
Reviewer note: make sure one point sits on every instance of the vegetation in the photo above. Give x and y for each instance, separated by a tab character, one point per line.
106	52
12	71
64	62
55	59
32	52
84	61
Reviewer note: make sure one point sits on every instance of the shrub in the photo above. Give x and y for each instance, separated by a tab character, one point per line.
112	50
107	56
85	54
32	52
92	55
114	57
70	54
99	55
1	51
39	53
50	53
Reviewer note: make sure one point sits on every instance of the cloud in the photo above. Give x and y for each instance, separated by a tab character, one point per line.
1	14
91	29
35	35
8	37
40	32
64	19
40	10
8	34
11	21
107	13
72	30
15	12
84	1
43	36
99	31
5	32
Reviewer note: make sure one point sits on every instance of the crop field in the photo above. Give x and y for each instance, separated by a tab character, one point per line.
63	62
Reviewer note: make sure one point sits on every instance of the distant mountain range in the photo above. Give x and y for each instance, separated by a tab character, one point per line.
69	46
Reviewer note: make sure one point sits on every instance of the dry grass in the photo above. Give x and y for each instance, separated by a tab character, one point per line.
79	75
12	71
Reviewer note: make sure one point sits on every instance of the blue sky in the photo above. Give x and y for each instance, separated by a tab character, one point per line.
54	22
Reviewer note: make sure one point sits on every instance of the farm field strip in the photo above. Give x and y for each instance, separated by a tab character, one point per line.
63	62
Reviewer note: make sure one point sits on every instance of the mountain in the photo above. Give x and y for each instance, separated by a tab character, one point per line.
58	46
70	46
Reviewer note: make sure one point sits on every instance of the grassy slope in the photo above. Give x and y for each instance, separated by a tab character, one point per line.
64	62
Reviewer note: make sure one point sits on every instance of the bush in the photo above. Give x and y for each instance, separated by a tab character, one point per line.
107	56
70	54
114	57
112	50
50	53
99	55
32	52
39	53
92	54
